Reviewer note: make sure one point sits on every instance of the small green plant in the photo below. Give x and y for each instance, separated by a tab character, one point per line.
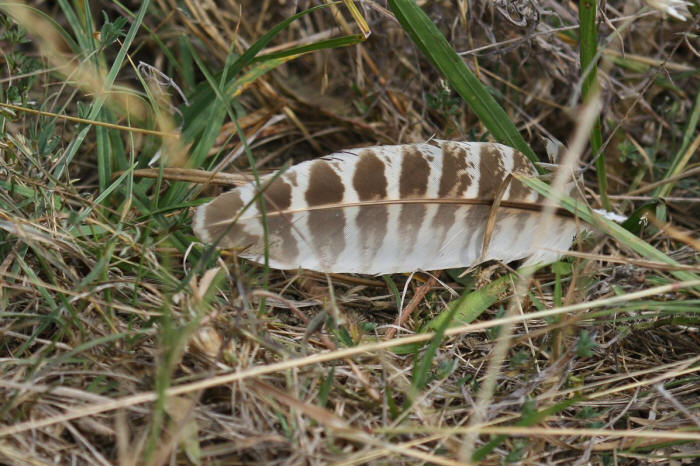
112	31
585	345
443	101
517	452
16	61
520	360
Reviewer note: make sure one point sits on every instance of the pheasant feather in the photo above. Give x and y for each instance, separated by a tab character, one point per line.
389	209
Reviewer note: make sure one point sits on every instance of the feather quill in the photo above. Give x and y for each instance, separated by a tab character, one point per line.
388	209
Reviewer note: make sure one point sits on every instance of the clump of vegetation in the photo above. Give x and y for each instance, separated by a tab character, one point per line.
125	341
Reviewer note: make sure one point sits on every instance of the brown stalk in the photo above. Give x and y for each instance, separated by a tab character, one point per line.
411	307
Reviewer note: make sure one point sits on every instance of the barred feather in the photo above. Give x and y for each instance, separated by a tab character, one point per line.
387	209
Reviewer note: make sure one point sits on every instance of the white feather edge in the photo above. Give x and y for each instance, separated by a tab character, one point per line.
198	223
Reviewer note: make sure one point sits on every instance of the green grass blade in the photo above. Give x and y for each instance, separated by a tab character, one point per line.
526	421
103	150
75	24
333	43
435	46
683	155
469	306
109	80
588	43
75	228
421	370
248	56
395	293
618	232
206	94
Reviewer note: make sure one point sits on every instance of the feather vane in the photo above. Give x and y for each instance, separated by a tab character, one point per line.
388	209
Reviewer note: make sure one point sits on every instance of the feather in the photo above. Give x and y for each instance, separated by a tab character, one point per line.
388	209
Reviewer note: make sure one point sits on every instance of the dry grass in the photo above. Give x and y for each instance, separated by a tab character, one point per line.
121	344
